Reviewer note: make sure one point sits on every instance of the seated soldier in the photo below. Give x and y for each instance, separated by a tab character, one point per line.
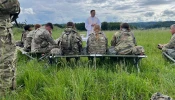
124	42
42	41
169	47
26	31
70	41
97	42
29	37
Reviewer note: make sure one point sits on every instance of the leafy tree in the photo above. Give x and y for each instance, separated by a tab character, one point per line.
104	25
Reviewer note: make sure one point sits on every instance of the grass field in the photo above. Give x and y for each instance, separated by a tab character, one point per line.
110	81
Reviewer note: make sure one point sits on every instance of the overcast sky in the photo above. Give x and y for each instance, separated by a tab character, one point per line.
62	11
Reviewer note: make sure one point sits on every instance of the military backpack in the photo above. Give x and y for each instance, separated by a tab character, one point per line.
71	42
97	44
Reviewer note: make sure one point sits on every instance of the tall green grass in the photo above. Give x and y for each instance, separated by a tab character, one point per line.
109	81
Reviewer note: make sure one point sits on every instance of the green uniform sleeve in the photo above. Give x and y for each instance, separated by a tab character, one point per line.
49	38
170	45
134	39
113	41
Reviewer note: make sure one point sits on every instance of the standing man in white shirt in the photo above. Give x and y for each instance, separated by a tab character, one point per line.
91	22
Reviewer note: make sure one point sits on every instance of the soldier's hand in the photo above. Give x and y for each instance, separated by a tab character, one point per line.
160	46
93	25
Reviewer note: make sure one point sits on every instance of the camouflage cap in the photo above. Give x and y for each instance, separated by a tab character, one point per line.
159	96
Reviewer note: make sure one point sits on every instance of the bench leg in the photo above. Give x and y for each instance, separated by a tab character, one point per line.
42	57
95	62
51	60
102	59
136	63
77	59
68	59
90	61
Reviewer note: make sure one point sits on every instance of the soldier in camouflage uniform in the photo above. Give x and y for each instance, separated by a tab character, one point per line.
29	37
42	41
124	42
7	46
27	29
97	42
169	47
70	41
159	96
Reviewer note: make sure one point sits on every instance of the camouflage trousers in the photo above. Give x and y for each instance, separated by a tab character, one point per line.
123	51
136	50
43	50
7	63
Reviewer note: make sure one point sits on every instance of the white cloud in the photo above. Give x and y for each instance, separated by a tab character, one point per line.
62	11
27	11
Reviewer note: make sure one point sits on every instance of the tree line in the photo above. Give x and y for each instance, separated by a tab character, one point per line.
114	25
81	26
104	26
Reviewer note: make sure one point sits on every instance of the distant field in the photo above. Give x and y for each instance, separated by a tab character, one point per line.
110	81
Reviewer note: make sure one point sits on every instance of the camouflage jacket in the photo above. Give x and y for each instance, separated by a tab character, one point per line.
6	34
123	41
70	42
28	41
42	40
7	47
171	44
97	45
24	36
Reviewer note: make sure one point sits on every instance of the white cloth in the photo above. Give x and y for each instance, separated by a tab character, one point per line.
89	22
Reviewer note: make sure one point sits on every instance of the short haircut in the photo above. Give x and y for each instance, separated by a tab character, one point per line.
70	24
173	25
37	26
50	25
27	27
125	26
92	11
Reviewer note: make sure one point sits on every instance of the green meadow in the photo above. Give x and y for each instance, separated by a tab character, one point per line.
109	81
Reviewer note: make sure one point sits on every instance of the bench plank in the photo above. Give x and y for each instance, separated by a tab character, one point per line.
99	55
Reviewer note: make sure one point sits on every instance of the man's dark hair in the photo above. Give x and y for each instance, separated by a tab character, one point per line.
27	27
50	25
37	26
70	24
125	26
92	11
